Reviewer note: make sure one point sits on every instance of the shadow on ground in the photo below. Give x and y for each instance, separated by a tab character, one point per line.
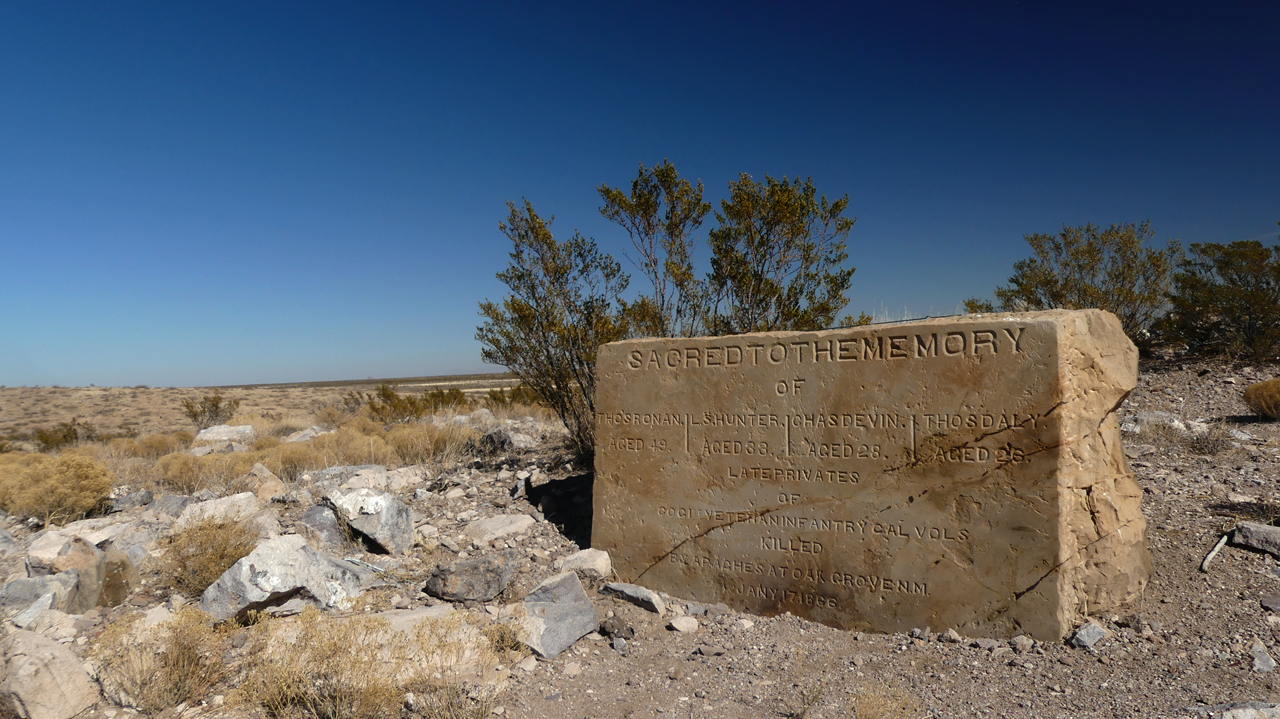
567	504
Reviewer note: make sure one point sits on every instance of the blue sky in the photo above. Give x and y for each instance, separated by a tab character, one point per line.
224	193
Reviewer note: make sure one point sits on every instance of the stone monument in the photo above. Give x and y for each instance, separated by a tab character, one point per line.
962	473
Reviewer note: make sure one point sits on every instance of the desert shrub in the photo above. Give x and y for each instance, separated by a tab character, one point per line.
195	557
155	446
177	662
65	434
565	301
521	394
350	446
265	442
55	489
1264	398
1088	267
183	473
290	461
330	669
331	416
420	443
505	637
1208	442
1226	300
187	474
209	410
389	407
270	424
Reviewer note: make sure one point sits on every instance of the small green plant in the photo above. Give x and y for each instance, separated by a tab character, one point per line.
389	407
521	394
1264	398
198	555
1226	300
65	434
1089	267
177	662
54	489
209	410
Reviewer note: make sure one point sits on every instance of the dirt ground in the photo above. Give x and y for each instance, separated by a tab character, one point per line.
124	410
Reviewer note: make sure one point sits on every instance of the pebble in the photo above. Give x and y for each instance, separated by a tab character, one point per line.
685	624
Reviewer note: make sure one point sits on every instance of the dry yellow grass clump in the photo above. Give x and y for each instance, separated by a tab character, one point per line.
158	668
53	489
359	667
1264	398
195	557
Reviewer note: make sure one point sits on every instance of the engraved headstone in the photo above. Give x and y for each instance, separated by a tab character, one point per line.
960	473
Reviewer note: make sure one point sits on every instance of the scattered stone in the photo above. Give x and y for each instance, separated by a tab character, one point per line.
120	578
592	562
951	636
572	669
236	508
1271	603
455	493
134	499
42	679
479	579
172	504
1262	537
384	520
745	624
1262	661
21	593
1088	635
267	485
712	650
306	435
1023	643
321	528
685	624
528	664
559	614
487	530
226	433
614	626
7	544
1246	710
619	645
637	595
275	572
495	441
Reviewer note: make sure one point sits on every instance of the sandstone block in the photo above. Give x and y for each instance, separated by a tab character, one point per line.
963	472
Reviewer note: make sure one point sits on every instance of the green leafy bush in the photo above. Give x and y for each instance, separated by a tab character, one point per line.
564	303
209	410
1088	267
65	434
1227	300
521	394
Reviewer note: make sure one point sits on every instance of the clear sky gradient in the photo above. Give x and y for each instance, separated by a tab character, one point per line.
224	193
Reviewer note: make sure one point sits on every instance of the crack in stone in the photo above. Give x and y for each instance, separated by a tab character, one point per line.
1078	552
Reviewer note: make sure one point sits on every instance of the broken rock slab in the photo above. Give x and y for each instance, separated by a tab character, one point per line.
962	472
41	679
19	594
1262	537
558	613
1088	635
592	562
637	595
278	570
267	486
384	520
226	433
478	579
236	508
487	530
322	530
